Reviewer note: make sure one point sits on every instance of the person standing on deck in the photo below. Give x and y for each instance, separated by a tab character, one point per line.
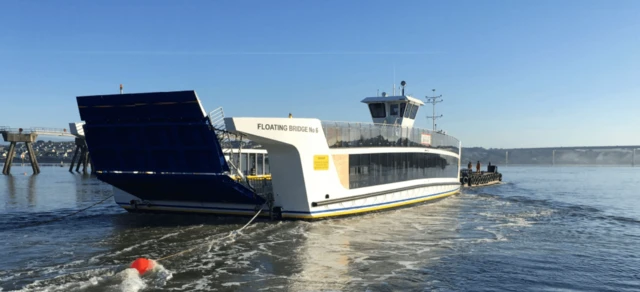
470	166
478	166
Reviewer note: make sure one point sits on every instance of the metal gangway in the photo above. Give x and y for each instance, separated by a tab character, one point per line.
260	185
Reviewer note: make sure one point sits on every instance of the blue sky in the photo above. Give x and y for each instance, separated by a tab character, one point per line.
512	73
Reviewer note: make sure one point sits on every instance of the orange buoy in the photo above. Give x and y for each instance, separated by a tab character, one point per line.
142	265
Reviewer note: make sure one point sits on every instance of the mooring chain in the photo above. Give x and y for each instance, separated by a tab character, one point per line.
59	218
143	264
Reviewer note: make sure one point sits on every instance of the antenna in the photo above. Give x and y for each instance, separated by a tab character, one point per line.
394	79
433	100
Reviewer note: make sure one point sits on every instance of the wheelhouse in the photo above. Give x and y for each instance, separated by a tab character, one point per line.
394	110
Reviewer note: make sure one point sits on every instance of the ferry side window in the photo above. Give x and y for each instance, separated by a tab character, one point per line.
402	107
377	110
414	111
407	111
393	110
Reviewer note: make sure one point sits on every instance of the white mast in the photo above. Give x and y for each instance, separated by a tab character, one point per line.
394	79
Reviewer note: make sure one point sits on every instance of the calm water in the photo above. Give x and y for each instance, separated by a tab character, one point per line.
544	229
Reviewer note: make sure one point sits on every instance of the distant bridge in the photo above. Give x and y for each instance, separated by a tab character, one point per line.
552	150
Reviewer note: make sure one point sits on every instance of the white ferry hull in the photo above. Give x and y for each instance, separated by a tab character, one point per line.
374	203
380	202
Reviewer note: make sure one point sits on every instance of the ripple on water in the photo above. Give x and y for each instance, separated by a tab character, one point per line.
520	235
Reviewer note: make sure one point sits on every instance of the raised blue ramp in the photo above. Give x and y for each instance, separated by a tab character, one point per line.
158	146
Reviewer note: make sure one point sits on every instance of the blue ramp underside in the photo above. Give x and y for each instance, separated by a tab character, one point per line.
158	146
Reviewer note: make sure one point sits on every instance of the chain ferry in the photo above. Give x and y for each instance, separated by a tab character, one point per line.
162	152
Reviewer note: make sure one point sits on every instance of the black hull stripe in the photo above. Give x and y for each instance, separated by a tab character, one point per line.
353	198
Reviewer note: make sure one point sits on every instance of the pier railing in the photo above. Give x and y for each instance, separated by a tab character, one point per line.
16	130
347	134
38	130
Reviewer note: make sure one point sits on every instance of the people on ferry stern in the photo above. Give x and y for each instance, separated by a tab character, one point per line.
470	166
478	166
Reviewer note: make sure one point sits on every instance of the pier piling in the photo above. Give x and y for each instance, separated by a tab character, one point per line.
13	138
9	160
73	159
32	157
84	159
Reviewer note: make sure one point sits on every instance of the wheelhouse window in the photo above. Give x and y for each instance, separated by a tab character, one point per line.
414	111
377	110
407	111
402	108
393	110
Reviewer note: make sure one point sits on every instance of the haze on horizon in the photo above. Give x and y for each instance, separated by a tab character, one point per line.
512	73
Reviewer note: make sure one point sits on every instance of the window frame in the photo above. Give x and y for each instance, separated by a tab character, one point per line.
414	111
375	113
403	107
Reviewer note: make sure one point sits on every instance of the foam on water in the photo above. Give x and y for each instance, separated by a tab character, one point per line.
114	278
130	281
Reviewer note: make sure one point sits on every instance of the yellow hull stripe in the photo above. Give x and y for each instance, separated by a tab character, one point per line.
370	209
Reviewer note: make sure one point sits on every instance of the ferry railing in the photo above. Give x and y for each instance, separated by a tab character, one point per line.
216	118
261	184
349	134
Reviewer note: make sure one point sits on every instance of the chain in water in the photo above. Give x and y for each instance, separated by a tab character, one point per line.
232	233
59	218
